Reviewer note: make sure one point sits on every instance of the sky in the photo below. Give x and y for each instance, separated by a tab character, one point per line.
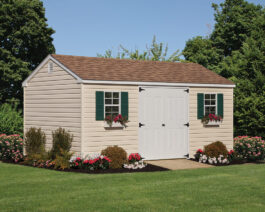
89	27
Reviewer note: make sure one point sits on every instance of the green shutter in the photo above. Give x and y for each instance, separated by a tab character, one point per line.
200	105
124	104
99	105
220	104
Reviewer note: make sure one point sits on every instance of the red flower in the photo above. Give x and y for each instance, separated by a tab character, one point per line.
76	164
85	161
78	158
200	151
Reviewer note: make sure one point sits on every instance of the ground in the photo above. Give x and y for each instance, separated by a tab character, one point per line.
229	188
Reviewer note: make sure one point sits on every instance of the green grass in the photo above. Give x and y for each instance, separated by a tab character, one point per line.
230	188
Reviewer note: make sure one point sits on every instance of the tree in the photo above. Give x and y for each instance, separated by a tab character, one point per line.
156	52
236	50
25	40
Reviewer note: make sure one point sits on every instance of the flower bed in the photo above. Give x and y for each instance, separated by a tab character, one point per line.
201	157
11	148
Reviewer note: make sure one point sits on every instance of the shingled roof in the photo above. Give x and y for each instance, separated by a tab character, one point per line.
94	68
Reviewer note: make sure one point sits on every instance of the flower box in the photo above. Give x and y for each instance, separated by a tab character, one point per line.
114	125
213	123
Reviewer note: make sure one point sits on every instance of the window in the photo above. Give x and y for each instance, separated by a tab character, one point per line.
210	104
112	103
50	67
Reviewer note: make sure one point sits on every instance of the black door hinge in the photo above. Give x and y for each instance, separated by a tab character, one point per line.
140	124
187	155
188	124
141	89
187	90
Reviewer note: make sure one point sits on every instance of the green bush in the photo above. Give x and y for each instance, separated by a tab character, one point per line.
215	149
61	141
117	155
249	148
11	119
11	148
35	140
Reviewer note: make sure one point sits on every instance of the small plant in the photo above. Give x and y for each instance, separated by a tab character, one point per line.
117	155
123	120
11	148
62	141
35	140
211	117
198	154
135	162
249	148
62	160
109	120
134	157
215	149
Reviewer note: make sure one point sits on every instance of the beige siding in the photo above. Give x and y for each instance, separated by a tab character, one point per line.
200	135
95	136
53	100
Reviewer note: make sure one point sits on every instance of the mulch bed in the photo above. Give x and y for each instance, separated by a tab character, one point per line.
148	168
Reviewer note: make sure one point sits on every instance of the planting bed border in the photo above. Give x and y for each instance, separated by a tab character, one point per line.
148	168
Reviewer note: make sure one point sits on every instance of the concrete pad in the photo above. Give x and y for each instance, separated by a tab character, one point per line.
177	164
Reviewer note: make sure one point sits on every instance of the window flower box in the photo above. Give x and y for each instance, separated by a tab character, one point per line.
115	122
213	123
212	120
113	125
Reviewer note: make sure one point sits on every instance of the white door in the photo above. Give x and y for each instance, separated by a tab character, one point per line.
163	113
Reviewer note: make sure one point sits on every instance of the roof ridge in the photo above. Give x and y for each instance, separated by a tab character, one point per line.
127	59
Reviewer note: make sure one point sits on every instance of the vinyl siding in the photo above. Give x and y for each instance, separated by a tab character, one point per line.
199	135
95	137
53	100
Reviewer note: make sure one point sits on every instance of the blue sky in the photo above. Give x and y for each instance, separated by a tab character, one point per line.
86	27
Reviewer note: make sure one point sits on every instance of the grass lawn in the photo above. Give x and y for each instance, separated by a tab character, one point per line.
231	188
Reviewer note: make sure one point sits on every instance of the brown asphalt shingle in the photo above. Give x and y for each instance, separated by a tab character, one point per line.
94	68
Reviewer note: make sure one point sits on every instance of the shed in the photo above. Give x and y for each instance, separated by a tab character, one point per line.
164	103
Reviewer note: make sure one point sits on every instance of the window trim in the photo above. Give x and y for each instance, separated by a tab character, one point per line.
119	105
216	104
50	67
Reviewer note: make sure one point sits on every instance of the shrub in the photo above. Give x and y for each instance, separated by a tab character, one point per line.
215	149
250	148
117	155
11	148
35	141
62	141
11	119
36	159
62	160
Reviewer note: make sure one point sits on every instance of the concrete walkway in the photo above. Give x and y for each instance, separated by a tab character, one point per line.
177	164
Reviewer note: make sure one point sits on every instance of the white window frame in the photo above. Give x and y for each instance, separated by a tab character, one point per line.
216	105
50	67
119	105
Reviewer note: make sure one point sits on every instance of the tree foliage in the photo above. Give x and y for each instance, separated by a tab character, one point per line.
236	50
25	40
156	52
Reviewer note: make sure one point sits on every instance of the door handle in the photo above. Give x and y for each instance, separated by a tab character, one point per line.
163	125
140	124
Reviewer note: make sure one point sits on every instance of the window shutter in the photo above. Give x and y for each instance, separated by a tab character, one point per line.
124	104
99	105
200	105
220	104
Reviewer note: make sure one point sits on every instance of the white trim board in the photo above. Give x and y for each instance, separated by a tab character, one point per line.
157	84
109	82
